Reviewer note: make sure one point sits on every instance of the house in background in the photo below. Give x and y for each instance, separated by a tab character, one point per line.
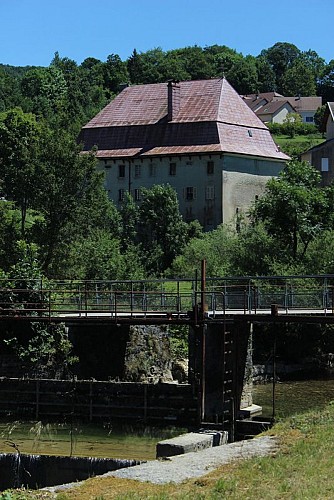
197	136
272	107
322	156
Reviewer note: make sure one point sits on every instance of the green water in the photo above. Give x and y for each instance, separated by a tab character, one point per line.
82	440
293	397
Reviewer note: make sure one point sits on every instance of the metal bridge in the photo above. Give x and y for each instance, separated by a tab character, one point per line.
287	298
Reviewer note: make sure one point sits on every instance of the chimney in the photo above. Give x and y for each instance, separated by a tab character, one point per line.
173	88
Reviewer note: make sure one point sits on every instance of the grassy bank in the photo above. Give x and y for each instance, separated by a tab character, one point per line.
294	146
301	469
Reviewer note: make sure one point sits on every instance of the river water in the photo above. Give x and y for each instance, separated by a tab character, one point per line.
83	440
293	397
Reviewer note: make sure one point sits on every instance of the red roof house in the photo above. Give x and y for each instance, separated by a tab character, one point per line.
198	136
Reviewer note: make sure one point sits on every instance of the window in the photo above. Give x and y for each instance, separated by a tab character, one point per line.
121	195
137	194
309	119
172	169
250	133
190	193
121	170
152	170
210	167
210	193
324	164
137	170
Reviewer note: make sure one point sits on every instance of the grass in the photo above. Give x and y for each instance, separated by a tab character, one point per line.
302	468
298	144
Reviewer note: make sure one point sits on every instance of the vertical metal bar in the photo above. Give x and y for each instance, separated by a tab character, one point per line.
203	384
178	299
115	295
274	374
145	403
37	400
86	299
255	297
91	401
203	286
49	304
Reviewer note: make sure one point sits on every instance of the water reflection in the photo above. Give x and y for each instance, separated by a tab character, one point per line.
83	440
293	397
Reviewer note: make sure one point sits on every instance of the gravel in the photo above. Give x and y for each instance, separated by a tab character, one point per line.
190	465
195	464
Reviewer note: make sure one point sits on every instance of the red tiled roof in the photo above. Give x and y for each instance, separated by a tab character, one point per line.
210	117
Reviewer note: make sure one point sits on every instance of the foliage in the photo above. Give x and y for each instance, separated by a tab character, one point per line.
48	350
214	247
162	231
292	127
319	116
294	209
20	137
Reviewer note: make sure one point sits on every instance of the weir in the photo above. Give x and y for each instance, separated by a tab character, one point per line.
37	471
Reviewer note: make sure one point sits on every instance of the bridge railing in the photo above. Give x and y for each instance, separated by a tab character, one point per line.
222	296
256	295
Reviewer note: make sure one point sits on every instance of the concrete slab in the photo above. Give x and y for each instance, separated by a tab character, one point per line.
190	442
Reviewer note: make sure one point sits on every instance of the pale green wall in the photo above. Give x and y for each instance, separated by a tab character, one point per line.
236	181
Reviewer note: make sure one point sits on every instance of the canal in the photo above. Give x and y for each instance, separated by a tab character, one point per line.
293	397
139	442
124	442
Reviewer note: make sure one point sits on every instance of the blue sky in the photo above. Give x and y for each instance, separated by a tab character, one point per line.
33	30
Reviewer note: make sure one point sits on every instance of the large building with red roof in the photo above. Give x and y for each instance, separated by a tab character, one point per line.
200	137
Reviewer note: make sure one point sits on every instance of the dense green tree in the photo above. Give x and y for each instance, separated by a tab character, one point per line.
266	75
162	231
20	139
129	215
72	199
314	62
298	80
115	73
281	57
45	90
99	255
326	82
221	59
294	208
214	247
243	76
9	91
319	116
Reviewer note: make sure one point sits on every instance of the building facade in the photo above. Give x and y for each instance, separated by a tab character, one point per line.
322	156
197	136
